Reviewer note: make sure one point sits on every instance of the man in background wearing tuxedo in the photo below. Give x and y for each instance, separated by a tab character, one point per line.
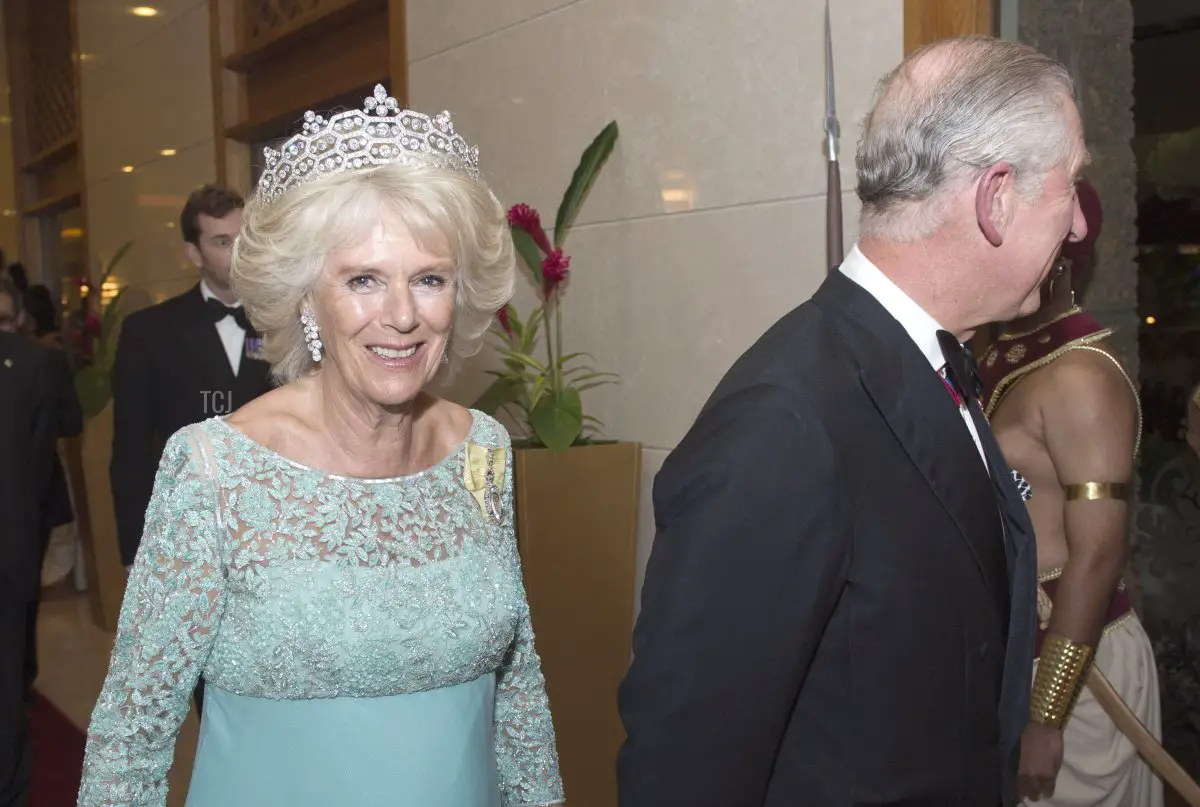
839	607
182	361
37	406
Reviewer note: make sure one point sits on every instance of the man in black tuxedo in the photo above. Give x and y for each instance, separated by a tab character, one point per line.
839	606
179	362
37	405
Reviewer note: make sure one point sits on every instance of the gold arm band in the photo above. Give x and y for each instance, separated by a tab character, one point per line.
1095	491
1060	671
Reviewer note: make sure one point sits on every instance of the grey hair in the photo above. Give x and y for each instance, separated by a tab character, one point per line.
980	102
284	244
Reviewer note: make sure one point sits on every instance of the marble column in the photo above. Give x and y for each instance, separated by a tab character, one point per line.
1094	39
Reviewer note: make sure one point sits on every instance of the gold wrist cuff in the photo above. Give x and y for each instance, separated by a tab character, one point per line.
1060	670
1095	491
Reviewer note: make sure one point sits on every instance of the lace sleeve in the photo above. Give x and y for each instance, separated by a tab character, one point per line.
172	605
526	756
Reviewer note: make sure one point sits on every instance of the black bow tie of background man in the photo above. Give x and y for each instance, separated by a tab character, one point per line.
960	366
219	311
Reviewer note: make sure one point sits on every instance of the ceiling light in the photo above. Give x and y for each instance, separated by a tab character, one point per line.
167	152
1151	320
144	11
128	169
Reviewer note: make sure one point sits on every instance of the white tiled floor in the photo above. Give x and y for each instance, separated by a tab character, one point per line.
72	662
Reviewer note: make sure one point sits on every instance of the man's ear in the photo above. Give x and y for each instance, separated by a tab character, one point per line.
193	253
994	199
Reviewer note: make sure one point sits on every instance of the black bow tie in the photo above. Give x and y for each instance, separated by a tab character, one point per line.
219	311
960	366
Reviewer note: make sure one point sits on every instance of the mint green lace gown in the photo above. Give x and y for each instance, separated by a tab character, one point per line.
363	642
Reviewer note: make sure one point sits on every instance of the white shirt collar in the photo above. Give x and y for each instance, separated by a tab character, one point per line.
207	294
921	327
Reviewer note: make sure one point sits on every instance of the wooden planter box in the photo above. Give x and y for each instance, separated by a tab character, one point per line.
577	531
95	520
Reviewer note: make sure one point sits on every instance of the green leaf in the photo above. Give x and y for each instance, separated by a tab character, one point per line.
514	319
590	163
583	368
117	257
532	331
499	394
612	378
538	390
93	388
593	384
112	316
558	419
564	359
527	248
525	359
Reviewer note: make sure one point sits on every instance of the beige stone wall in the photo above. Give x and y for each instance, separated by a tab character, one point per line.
707	224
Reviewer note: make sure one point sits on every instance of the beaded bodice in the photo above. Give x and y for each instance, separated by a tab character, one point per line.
279	581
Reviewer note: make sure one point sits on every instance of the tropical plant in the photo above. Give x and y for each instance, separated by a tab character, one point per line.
93	382
545	395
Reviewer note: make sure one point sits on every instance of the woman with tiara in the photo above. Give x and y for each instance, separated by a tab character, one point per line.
337	558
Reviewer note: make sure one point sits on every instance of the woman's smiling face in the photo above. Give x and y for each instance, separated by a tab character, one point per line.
385	309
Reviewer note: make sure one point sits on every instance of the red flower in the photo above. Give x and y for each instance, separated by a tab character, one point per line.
555	268
527	219
502	317
92	325
83	344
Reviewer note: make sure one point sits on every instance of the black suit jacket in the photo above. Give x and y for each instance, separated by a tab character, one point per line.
170	371
56	499
37	406
839	606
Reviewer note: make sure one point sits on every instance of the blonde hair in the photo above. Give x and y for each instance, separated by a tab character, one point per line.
284	244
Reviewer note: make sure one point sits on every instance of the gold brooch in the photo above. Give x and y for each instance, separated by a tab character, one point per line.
1015	353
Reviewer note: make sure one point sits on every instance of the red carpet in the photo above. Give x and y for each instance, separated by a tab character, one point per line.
58	746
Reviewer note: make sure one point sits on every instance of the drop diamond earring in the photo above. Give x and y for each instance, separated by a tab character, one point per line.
312	335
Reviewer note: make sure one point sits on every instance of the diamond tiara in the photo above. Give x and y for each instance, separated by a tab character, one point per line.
379	134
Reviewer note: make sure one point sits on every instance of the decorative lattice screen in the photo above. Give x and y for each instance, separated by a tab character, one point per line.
50	109
264	17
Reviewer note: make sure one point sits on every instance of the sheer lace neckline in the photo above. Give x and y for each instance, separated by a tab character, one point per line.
455	452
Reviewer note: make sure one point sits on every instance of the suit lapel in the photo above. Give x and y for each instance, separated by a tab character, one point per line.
201	340
914	403
1018	531
1021	554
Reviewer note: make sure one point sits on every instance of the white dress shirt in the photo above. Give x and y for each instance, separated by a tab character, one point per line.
916	321
232	335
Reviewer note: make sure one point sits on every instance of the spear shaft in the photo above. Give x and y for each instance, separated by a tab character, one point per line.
833	190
